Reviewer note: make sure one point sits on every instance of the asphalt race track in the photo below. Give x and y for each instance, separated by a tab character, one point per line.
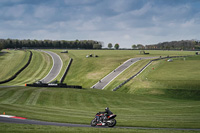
35	122
55	70
111	76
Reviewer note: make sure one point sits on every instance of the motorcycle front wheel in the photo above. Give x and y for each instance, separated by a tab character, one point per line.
93	123
112	123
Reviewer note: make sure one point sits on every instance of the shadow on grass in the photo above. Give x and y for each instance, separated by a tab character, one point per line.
189	94
3	52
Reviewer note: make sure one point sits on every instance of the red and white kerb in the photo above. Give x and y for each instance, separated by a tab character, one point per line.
10	116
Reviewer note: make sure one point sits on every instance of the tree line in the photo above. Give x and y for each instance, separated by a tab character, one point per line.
77	44
91	44
173	45
176	45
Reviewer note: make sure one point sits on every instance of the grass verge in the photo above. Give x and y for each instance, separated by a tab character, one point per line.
88	71
22	128
11	62
177	79
80	106
38	68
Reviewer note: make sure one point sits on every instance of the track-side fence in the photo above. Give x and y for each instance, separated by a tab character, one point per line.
66	71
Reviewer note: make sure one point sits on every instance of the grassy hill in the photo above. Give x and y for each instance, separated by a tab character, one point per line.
80	106
177	79
38	68
87	71
12	61
150	100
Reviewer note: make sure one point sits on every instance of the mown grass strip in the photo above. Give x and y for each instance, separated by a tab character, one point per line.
19	71
32	99
176	78
40	65
14	97
80	106
24	128
11	62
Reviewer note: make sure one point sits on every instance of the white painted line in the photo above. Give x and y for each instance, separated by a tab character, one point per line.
119	74
139	58
111	72
10	116
134	76
51	67
7	116
60	67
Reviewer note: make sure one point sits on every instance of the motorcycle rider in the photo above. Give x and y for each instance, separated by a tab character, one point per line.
107	112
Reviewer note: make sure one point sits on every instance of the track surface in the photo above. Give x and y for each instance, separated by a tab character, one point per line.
35	122
55	70
111	76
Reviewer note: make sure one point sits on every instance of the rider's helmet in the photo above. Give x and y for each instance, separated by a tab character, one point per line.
106	108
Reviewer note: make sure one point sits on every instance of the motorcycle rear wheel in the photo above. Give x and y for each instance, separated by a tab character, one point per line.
93	123
112	123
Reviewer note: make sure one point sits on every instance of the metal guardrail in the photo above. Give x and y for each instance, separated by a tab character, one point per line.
61	85
66	71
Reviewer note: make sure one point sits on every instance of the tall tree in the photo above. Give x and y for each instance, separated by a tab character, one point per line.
134	46
140	46
116	46
110	45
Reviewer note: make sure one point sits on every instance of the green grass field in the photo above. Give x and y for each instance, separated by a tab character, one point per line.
20	128
39	67
177	79
11	62
80	106
87	71
153	99
132	70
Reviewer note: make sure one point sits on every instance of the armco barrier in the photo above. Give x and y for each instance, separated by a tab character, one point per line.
60	85
143	69
17	73
67	69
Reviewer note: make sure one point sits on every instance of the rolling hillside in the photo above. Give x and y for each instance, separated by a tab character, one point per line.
153	99
39	67
12	61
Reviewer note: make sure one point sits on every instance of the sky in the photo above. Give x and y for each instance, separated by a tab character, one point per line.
125	22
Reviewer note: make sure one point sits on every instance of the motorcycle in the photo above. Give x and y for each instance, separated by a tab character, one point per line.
106	120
